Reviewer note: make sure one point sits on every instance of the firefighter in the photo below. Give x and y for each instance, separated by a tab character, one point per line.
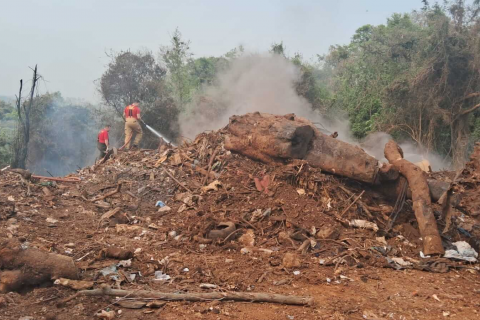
102	141
132	125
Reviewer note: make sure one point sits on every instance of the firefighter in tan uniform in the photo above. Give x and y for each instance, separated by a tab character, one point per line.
132	125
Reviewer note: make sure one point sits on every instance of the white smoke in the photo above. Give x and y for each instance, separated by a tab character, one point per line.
266	83
375	142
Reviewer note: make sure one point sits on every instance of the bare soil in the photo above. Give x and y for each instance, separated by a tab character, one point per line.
347	272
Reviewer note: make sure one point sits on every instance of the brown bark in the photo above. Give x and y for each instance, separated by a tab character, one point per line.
343	159
31	266
201	297
417	180
269	138
437	189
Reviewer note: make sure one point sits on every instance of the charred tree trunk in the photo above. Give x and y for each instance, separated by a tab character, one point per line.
417	180
23	127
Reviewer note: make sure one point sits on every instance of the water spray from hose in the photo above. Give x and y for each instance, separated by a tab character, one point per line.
155	132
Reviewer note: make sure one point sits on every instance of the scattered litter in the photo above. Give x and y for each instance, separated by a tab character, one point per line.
160	204
109	270
363	224
160	276
346	278
11	199
436	298
464	252
296	272
125	263
185	270
106	315
329	280
423	256
245	251
212	186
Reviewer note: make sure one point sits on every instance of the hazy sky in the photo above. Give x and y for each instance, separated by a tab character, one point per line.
68	38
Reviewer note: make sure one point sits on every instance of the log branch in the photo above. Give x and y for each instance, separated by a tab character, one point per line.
422	206
111	193
199	297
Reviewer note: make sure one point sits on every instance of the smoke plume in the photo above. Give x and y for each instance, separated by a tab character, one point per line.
266	83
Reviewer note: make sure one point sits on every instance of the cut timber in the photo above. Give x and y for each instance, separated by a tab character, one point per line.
422	205
30	267
207	296
343	159
268	138
271	138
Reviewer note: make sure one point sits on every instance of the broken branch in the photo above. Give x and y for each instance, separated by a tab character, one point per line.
111	193
422	205
201	297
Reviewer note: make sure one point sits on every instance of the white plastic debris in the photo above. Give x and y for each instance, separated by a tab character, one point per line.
109	270
363	224
346	278
125	263
423	256
296	272
160	276
401	262
464	252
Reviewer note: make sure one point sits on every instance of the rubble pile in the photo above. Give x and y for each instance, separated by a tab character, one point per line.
203	218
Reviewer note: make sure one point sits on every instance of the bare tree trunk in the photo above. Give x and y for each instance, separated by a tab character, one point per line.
23	135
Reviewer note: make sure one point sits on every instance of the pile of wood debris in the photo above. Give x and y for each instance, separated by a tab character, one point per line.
264	203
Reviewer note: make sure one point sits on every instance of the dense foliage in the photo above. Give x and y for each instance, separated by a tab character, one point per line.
417	76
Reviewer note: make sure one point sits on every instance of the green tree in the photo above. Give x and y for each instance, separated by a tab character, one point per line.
138	77
177	59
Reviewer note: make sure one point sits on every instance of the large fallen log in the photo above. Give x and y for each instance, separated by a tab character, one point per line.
343	159
417	181
201	297
29	267
270	138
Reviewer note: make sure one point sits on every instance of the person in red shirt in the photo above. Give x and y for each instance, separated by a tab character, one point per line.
132	125
102	142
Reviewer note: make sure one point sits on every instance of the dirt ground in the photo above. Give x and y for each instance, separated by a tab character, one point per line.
286	239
